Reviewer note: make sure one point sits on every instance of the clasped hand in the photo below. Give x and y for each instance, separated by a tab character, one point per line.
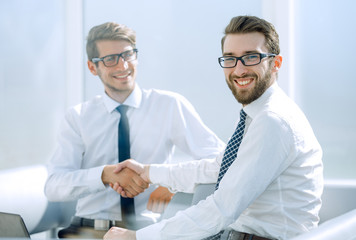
139	170
125	178
159	198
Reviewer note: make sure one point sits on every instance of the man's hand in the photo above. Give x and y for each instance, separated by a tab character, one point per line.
116	233
159	200
140	169
128	180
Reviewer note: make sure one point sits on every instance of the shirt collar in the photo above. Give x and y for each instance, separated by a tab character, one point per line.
134	100
256	106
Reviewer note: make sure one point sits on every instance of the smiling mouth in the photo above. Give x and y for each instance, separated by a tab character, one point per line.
123	75
244	81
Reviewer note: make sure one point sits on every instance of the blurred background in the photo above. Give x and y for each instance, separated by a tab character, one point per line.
43	67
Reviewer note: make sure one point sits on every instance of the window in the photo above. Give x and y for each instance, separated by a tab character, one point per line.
32	80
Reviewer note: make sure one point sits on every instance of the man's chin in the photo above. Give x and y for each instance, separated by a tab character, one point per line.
122	86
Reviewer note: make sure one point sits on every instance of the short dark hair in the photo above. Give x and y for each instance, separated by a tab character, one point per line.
249	24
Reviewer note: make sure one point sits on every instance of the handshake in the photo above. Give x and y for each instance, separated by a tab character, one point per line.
130	178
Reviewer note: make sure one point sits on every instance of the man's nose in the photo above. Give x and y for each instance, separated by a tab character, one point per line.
121	64
240	69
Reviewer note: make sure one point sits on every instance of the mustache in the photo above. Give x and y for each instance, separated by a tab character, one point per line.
250	75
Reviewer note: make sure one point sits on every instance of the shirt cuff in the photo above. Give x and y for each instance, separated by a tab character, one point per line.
94	178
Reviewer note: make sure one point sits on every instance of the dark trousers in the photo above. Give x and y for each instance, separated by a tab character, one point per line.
86	229
235	235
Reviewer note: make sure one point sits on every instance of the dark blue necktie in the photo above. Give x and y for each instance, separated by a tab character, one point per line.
230	156
232	147
127	204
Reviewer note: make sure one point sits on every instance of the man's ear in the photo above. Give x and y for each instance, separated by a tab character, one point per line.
277	62
92	68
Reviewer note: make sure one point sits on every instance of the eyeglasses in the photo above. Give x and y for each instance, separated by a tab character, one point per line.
112	60
247	60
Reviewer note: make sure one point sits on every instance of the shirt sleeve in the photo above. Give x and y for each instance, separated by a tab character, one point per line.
183	177
66	180
261	159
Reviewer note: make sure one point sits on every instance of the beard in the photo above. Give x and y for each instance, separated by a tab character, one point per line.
246	96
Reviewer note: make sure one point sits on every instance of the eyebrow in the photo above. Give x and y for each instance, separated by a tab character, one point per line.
245	53
115	54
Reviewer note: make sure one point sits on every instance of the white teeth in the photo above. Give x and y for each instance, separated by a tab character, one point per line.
123	76
242	83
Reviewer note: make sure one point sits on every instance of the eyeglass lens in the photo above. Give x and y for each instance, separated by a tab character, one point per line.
112	60
247	60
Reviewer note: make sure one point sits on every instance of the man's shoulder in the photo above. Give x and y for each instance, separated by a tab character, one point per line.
282	111
90	105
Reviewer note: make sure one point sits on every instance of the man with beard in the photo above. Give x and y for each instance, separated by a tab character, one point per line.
269	179
151	122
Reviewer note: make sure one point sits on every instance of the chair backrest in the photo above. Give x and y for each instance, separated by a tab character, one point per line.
181	201
341	227
339	197
202	191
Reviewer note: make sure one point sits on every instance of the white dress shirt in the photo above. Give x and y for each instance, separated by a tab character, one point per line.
88	140
272	189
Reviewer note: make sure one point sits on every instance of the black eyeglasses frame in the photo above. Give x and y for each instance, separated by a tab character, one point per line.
262	55
96	60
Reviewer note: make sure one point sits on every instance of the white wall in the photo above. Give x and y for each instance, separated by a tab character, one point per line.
32	79
325	78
